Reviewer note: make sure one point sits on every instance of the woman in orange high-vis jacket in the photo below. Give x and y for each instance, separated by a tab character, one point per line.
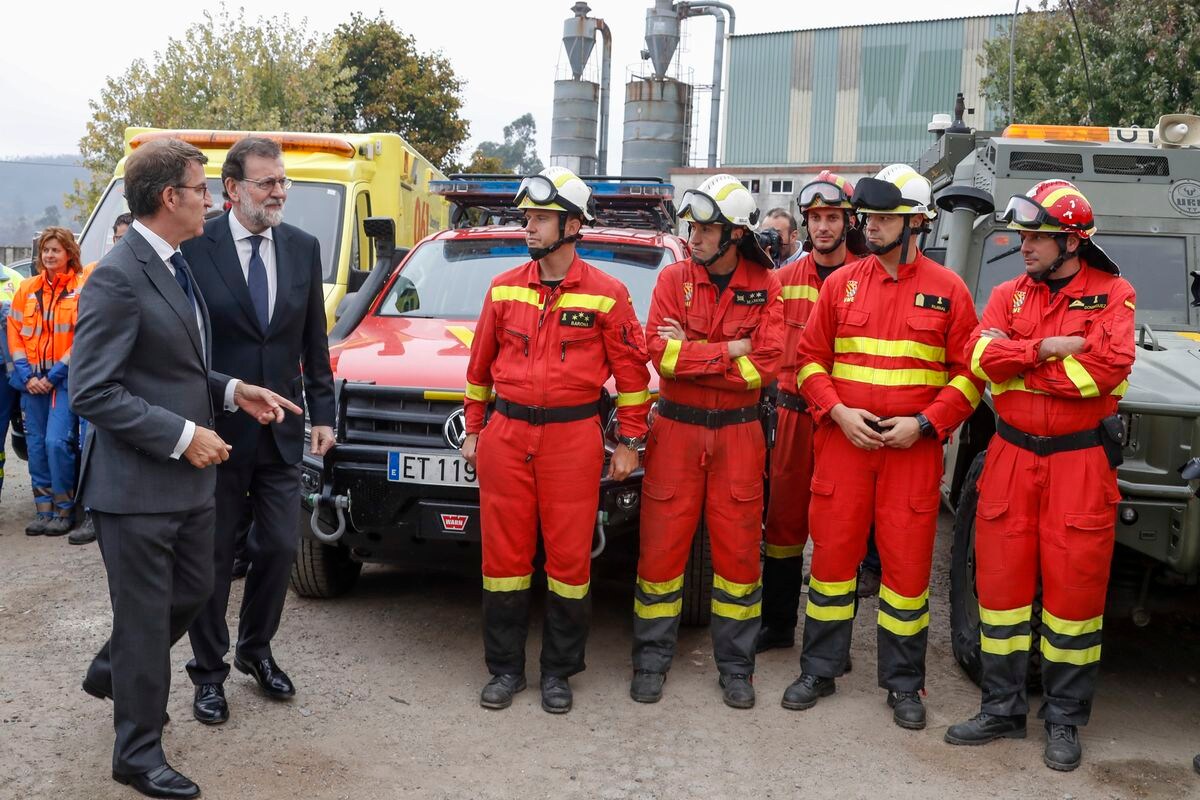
41	329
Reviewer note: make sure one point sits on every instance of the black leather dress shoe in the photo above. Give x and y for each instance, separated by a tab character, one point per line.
100	693
160	782
209	705
240	568
269	676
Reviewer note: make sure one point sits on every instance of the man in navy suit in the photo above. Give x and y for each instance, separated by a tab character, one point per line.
262	280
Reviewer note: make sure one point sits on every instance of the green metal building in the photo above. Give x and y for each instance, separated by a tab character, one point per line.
853	95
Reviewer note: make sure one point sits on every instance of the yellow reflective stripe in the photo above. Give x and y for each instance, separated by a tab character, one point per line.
1121	388
519	294
567	590
901	627
732	611
1059	194
1080	377
833	589
784	550
889	377
633	398
657	610
1004	647
1013	616
734	589
976	354
507	584
595	302
964	385
892	348
829	613
477	392
748	372
464	335
432	394
1016	384
1067	627
670	358
1080	658
801	292
808	370
1129	304
899	601
663	587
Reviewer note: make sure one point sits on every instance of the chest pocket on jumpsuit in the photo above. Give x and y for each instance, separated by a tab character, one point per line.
740	321
515	327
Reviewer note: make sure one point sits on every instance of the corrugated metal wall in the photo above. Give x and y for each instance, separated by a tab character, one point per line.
852	95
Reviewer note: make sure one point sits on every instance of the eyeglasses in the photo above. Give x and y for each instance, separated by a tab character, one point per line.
202	188
269	184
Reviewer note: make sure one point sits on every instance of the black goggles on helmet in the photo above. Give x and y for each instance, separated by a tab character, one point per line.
1028	214
876	195
542	191
701	208
829	194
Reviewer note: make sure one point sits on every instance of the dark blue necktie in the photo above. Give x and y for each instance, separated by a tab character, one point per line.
181	277
256	281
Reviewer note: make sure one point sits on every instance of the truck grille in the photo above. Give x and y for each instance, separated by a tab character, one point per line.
392	417
1134	164
1040	161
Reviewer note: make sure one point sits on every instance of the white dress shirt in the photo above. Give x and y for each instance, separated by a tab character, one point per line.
165	251
266	250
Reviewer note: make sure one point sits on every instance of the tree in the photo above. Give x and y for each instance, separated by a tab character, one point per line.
518	153
486	165
222	74
49	218
398	89
1144	60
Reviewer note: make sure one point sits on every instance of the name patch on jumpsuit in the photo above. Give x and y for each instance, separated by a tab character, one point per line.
756	298
1090	302
577	319
933	302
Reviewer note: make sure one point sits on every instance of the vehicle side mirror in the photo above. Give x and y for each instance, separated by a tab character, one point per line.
345	303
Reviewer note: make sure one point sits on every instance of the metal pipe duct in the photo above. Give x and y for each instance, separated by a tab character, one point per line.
714	9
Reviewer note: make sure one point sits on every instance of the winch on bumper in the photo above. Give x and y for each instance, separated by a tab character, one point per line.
397	474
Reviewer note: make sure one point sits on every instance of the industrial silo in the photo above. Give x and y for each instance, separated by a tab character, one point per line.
581	106
657	116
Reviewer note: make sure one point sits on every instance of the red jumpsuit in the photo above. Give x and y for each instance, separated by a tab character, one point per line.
714	466
549	352
1050	515
791	459
895	347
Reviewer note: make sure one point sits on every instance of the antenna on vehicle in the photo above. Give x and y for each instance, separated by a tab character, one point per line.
1012	57
1087	75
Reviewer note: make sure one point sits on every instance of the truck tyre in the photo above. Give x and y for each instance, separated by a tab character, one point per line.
964	602
322	570
698	580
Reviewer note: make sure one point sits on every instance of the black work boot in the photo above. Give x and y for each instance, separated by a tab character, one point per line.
984	727
500	690
647	686
1063	751
556	695
737	691
806	690
907	710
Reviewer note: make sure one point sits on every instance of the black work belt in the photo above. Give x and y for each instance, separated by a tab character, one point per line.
793	402
540	415
1048	445
708	417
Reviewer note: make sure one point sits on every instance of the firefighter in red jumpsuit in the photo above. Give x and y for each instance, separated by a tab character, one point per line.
884	371
831	234
715	336
551	333
1055	346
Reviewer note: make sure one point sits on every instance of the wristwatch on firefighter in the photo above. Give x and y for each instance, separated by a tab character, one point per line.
631	442
927	428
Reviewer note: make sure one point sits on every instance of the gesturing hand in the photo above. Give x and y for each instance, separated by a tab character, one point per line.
263	404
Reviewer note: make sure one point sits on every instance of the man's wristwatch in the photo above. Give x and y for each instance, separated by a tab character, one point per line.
631	442
927	428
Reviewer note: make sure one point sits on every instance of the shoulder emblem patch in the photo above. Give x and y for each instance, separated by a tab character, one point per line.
851	291
688	289
1018	300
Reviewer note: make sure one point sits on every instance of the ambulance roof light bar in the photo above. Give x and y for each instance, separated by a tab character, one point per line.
223	140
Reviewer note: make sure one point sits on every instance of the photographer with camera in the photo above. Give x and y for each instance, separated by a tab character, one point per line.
779	236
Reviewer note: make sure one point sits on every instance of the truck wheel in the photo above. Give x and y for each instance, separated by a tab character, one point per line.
698	580
322	570
964	601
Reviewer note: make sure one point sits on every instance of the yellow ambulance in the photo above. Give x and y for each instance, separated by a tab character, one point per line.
338	181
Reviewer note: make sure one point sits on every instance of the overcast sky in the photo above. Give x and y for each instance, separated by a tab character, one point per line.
508	51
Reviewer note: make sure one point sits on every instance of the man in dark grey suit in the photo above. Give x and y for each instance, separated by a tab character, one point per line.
140	377
262	280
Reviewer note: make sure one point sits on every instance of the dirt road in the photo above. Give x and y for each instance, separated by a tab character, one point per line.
388	679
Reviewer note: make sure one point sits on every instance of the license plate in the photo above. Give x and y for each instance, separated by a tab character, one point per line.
430	469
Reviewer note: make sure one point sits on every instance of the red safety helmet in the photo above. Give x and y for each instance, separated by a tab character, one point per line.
827	189
1054	206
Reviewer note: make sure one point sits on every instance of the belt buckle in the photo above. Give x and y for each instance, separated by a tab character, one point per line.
1040	444
712	418
537	415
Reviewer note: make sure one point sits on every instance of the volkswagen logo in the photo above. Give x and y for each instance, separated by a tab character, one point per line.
455	428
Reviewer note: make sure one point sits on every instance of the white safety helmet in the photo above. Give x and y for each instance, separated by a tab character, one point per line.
897	189
722	198
557	189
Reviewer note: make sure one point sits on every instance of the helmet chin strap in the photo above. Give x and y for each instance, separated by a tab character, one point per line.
901	242
810	245
538	253
726	243
1063	256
